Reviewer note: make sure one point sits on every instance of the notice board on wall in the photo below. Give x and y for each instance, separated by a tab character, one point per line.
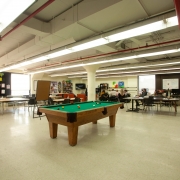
170	83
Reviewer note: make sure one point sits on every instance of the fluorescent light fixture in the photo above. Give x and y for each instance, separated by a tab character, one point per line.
90	44
159	25
107	39
113	60
139	71
11	9
65	74
55	69
158	53
24	63
70	77
59	53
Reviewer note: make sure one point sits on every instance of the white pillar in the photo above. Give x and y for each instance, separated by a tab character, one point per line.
91	79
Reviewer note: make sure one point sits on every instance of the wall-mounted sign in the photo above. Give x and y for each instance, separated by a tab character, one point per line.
121	84
2	91
1	75
3	85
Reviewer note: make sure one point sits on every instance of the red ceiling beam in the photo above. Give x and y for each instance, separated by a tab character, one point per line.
29	17
177	6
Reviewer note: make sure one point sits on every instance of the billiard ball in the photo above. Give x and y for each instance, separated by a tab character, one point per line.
78	106
62	107
94	105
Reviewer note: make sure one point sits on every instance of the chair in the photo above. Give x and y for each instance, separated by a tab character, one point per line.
50	101
71	95
66	101
148	102
113	98
32	103
82	96
104	97
77	99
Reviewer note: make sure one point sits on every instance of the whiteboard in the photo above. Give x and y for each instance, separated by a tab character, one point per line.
170	83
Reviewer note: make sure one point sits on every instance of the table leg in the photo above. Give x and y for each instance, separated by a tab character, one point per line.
132	104
112	120
72	135
175	106
53	129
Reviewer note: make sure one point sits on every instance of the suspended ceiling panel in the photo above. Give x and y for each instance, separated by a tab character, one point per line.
115	16
76	31
56	8
154	6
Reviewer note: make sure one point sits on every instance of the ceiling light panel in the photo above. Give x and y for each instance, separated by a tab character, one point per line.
11	9
159	25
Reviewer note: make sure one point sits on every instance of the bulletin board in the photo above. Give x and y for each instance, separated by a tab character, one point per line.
42	90
170	83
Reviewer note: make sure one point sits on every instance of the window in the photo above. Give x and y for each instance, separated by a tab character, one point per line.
20	84
147	82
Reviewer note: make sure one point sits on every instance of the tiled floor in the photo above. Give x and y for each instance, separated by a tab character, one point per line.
142	146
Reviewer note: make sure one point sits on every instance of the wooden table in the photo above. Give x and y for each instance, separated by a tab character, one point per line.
72	116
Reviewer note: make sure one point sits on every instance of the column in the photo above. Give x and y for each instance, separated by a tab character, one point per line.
91	79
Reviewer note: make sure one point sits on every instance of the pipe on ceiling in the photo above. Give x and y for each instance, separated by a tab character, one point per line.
106	54
29	17
177	6
124	50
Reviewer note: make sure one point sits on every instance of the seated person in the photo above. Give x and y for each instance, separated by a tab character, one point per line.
104	96
127	95
144	93
113	96
112	93
121	96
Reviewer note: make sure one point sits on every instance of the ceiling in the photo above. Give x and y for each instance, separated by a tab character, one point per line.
63	23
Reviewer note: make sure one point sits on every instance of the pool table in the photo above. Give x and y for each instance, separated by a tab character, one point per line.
77	114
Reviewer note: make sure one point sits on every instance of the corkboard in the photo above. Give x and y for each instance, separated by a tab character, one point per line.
43	90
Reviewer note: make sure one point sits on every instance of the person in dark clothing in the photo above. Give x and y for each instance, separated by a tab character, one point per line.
121	95
86	92
104	96
144	93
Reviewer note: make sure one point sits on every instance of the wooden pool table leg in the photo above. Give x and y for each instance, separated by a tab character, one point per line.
72	135
112	120
53	129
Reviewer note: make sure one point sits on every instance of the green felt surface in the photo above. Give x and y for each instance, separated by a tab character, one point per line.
72	108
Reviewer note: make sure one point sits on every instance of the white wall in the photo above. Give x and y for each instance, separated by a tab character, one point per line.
130	81
43	76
